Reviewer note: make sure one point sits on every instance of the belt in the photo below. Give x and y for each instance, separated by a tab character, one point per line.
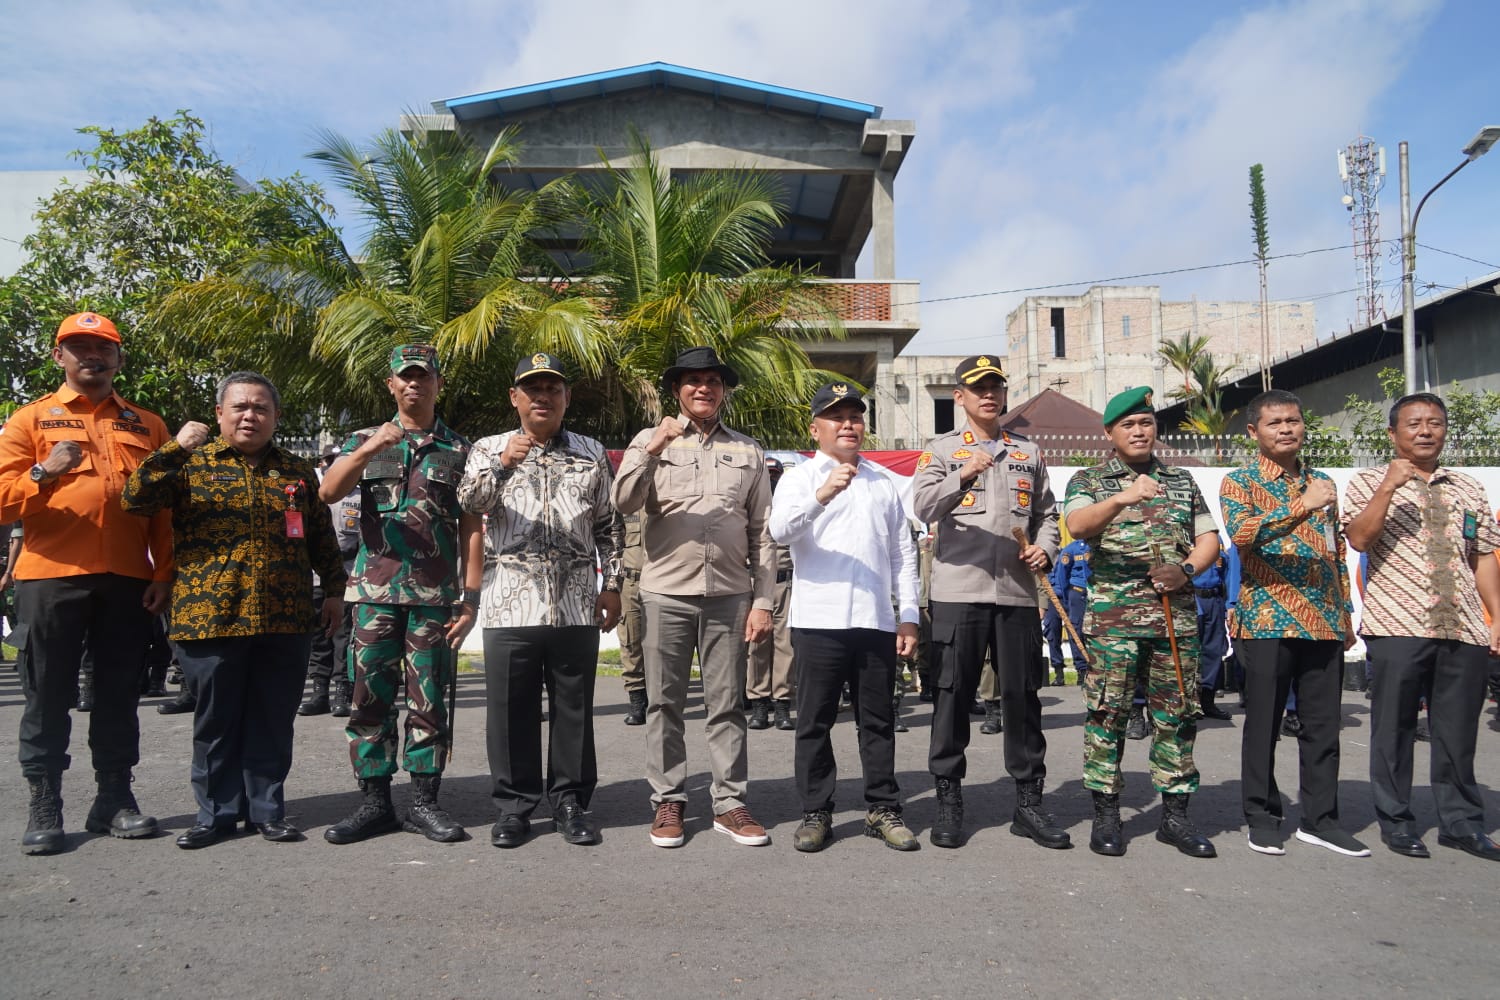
1081	590
633	574
1210	591
783	575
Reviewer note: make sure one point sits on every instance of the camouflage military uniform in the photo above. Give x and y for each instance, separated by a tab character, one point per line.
1125	626
405	584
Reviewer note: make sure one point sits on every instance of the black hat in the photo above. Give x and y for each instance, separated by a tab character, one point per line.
971	370
834	393
540	363
696	359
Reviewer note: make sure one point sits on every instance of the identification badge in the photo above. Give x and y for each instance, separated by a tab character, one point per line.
294	524
1330	536
1471	525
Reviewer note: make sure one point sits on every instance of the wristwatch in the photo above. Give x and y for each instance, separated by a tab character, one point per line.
38	473
1187	568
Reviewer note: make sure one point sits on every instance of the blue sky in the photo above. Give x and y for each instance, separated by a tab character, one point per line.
1056	143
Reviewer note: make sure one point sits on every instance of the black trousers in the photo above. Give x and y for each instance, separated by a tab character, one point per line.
247	690
58	616
329	658
518	662
1316	666
1456	671
961	635
826	658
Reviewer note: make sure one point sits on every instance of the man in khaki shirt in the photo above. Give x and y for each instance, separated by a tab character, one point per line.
707	585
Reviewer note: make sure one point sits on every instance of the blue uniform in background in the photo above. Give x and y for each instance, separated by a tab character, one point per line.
1070	582
1212	588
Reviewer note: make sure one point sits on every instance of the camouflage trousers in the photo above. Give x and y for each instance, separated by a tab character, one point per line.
390	640
1109	688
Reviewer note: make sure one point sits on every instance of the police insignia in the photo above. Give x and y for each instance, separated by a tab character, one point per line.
1019	456
1023	498
967	501
1023	484
538	360
839	389
924	460
963	453
969	437
983	362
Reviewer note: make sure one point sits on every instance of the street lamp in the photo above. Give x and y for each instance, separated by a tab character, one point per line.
1477	147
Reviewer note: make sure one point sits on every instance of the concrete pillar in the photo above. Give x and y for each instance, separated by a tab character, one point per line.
1096	343
883	225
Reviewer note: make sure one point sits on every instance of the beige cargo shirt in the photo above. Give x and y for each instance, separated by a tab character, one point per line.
705	502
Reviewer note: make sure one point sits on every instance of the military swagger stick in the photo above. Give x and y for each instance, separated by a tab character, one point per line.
1166	607
1057	604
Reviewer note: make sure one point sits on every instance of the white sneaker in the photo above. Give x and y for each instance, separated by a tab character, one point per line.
1335	840
1265	841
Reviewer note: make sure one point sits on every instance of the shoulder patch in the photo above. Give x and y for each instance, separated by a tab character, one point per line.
969	437
924	460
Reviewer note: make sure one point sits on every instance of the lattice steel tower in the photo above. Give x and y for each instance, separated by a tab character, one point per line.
1362	170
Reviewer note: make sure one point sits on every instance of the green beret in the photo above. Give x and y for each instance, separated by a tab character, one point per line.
1137	400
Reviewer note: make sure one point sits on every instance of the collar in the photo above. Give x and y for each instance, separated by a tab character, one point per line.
1117	469
66	395
1271	470
439	432
968	435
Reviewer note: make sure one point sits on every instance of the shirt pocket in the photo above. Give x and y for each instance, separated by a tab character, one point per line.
444	472
54	435
734	471
677	474
381	482
133	449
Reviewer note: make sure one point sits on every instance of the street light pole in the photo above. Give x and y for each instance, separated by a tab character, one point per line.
1477	147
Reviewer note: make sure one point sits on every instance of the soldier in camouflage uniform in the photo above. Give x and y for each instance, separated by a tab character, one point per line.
1150	531
408	610
632	624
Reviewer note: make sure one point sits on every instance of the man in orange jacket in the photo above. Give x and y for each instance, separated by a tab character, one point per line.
88	571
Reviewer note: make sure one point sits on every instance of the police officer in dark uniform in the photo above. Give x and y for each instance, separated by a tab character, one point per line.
1070	582
328	666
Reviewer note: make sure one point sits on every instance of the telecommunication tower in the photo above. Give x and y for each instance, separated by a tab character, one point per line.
1362	171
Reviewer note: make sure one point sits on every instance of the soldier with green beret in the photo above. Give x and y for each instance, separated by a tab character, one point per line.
410	612
1151	532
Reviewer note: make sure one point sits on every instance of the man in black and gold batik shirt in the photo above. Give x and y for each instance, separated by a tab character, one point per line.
248	532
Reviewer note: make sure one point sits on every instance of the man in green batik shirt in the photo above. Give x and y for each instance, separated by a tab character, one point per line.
1151	532
409	614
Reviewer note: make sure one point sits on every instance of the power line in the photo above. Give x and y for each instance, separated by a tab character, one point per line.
1450	253
1126	277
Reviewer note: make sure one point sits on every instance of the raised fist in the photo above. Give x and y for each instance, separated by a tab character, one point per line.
193	435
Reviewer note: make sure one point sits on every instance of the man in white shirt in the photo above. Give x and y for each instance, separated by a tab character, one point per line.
852	551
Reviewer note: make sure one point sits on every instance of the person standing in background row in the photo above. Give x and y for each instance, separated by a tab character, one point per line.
768	674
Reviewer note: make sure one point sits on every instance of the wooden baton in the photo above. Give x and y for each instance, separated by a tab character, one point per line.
1057	604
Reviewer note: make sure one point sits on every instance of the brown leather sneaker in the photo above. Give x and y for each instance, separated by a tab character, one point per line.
741	827
666	831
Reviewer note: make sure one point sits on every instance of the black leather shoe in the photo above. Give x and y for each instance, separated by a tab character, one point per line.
571	821
316	704
1476	844
277	831
200	836
184	702
511	831
1405	843
1210	710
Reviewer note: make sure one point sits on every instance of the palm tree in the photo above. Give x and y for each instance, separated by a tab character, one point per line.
1183	355
681	262
450	258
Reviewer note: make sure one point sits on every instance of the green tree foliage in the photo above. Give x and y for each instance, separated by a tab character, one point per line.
681	262
1259	220
156	209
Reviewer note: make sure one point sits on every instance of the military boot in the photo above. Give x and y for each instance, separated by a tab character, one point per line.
784	715
898	725
374	816
885	824
425	815
1176	829
993	723
760	714
1031	820
156	681
948	827
1136	728
1059	677
926	691
338	700
86	691
115	811
1105	838
44	822
636	716
184	702
317	701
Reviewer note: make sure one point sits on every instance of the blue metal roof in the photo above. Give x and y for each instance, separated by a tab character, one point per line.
659	75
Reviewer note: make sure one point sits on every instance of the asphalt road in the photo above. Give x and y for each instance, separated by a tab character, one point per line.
401	917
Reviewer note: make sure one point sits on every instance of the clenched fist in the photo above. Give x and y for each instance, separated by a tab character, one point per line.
193	435
1320	493
65	456
1144	488
388	435
516	450
839	478
669	430
976	466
